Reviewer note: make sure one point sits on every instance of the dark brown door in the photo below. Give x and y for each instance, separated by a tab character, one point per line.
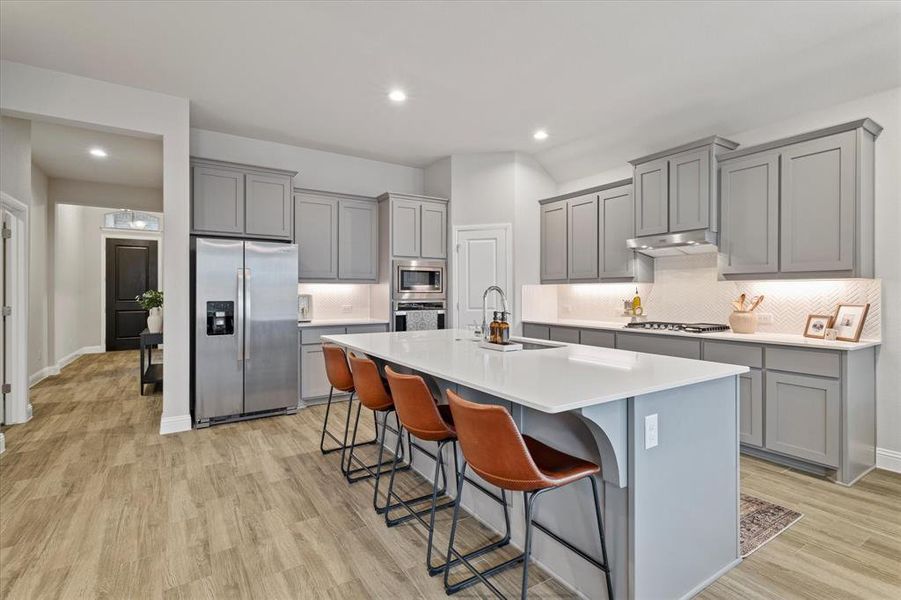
130	271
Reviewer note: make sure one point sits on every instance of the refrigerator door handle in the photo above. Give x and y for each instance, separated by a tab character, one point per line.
247	318
239	318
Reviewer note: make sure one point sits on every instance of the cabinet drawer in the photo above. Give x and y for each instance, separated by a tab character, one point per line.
374	328
603	339
310	335
659	344
539	332
564	334
734	354
810	362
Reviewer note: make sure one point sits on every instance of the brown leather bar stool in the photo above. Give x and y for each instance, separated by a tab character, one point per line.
341	379
421	417
495	449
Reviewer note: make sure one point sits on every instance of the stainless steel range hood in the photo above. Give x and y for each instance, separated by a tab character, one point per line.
697	241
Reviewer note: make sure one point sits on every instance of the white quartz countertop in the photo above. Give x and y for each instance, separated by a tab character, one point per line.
782	339
557	379
340	322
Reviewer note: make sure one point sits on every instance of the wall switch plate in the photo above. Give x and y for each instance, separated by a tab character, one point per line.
650	431
765	318
346	308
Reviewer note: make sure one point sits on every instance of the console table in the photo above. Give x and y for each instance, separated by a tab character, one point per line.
150	372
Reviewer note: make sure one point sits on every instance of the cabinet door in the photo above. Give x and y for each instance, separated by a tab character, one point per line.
406	228
689	190
818	215
601	339
617	216
538	332
651	198
358	243
582	241
314	381
434	230
750	391
553	242
217	201
563	334
654	343
802	416
269	206
316	235
749	201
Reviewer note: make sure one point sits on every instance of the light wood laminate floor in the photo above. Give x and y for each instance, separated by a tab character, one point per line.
94	503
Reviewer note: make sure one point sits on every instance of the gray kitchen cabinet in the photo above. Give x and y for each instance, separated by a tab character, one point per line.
316	235
802	417
314	381
651	197
433	236
269	205
536	331
659	344
617	224
749	209
823	188
689	190
554	247
750	392
601	339
406	228
217	200
358	245
582	238
818	204
564	334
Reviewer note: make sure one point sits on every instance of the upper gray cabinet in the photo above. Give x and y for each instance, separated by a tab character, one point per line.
801	206
337	237
582	246
316	235
554	248
240	200
583	236
358	243
675	190
418	225
749	233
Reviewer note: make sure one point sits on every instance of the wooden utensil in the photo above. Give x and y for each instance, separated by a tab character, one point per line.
741	300
757	302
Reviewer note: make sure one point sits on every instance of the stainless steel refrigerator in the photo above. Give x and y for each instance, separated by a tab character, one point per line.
245	350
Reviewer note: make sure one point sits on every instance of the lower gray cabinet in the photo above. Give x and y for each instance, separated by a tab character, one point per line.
802	417
313	378
593	337
564	334
538	332
750	391
358	243
659	344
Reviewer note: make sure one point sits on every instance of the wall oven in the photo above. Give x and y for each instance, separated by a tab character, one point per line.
419	279
419	316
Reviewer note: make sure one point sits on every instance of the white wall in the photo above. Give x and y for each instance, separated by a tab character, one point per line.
316	169
38	273
885	109
110	195
15	158
437	178
28	92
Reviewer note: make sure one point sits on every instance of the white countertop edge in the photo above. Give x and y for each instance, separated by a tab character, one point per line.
727	370
340	322
779	339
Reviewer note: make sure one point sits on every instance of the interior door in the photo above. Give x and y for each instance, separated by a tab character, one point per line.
270	326
131	269
482	261
4	225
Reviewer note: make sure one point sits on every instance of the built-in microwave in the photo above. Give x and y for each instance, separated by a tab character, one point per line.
419	279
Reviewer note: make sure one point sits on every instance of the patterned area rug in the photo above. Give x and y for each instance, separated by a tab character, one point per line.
761	521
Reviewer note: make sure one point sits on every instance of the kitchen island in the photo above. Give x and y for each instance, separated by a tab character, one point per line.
670	507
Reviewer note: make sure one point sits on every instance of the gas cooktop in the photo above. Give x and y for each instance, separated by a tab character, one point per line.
687	327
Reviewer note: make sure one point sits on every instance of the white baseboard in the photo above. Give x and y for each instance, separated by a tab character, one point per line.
890	460
51	370
175	424
2	442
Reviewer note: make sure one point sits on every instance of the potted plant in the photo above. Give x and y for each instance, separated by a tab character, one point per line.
152	301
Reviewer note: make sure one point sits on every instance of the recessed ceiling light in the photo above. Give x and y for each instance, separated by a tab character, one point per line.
540	135
397	96
98	152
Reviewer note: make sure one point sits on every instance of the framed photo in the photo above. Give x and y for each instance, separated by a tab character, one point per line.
849	319
817	325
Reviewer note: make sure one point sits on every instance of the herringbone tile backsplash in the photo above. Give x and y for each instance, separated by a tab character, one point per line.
687	288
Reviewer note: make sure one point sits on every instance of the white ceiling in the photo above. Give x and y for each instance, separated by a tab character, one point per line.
62	151
479	76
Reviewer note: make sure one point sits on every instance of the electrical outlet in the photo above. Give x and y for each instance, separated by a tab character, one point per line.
765	318
346	308
650	431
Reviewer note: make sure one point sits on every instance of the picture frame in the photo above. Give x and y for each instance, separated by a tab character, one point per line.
817	325
849	320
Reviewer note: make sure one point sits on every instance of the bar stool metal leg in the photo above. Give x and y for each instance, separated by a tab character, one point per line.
412	514
351	474
597	512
